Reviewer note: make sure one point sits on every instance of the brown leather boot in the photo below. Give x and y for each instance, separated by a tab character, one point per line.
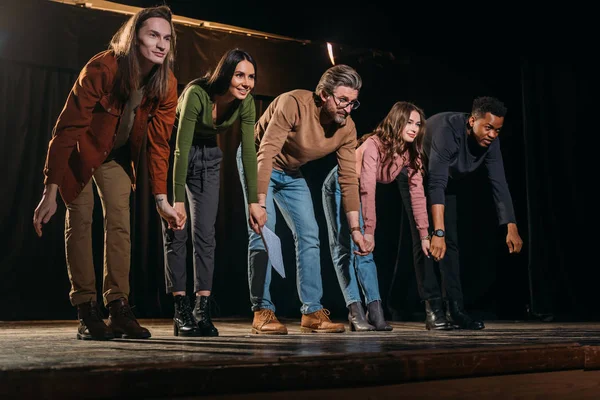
91	324
122	321
266	323
319	322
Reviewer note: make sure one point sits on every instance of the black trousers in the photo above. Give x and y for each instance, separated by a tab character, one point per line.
429	286
202	199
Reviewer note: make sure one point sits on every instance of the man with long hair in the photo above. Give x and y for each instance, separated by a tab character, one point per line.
124	98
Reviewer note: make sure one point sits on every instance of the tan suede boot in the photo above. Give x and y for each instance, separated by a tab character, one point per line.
319	322
266	323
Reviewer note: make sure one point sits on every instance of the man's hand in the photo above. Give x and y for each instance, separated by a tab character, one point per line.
438	247
513	240
45	209
258	217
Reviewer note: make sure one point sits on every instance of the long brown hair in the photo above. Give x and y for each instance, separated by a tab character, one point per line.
124	45
389	132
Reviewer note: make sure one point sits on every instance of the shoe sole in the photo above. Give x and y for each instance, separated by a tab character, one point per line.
180	334
259	332
458	327
85	337
314	330
177	333
440	329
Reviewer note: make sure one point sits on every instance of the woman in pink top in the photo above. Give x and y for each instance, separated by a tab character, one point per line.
395	144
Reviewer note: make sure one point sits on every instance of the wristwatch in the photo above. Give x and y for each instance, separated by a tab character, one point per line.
438	233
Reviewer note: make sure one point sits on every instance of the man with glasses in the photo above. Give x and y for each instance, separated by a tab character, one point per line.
300	126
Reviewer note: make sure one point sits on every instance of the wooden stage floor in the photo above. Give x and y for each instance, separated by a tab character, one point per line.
44	360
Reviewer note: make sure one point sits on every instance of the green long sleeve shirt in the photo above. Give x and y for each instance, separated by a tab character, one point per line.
194	115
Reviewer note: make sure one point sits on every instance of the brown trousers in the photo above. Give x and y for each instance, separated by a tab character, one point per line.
114	188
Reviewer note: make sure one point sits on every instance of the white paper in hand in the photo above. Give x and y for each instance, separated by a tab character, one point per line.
273	245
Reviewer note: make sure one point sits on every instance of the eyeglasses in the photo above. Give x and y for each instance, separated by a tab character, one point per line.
345	103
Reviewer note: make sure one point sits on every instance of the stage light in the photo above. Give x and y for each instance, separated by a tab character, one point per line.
330	52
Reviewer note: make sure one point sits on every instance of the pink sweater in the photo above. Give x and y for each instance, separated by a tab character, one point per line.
371	170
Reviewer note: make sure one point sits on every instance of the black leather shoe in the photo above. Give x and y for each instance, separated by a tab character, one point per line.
91	324
375	316
357	318
202	315
435	319
183	320
122	321
459	319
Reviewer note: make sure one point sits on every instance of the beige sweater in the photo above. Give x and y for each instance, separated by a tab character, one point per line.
289	134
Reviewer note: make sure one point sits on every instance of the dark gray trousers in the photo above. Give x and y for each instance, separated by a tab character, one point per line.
425	268
202	202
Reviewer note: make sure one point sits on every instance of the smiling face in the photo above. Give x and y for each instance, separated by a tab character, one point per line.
153	42
242	81
486	129
412	128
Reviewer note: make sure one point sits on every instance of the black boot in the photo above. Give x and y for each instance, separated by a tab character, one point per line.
202	316
183	320
435	318
91	324
376	317
357	319
122	321
459	319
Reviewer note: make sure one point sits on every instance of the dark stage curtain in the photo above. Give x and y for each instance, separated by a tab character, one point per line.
32	270
539	144
562	266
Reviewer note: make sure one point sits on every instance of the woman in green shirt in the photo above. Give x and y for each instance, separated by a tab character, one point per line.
207	106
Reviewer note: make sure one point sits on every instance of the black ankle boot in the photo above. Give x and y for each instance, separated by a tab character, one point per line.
357	319
435	318
202	316
376	317
459	319
183	320
122	321
91	324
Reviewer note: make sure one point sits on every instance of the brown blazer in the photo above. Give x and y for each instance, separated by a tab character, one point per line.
86	129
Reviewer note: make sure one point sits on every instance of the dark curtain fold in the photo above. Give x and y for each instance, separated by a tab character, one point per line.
552	95
32	270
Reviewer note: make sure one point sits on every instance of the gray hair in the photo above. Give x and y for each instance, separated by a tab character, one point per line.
338	75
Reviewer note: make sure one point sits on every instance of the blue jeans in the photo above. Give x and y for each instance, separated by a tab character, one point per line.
351	269
292	196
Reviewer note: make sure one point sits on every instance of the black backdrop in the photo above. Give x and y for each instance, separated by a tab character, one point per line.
43	46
